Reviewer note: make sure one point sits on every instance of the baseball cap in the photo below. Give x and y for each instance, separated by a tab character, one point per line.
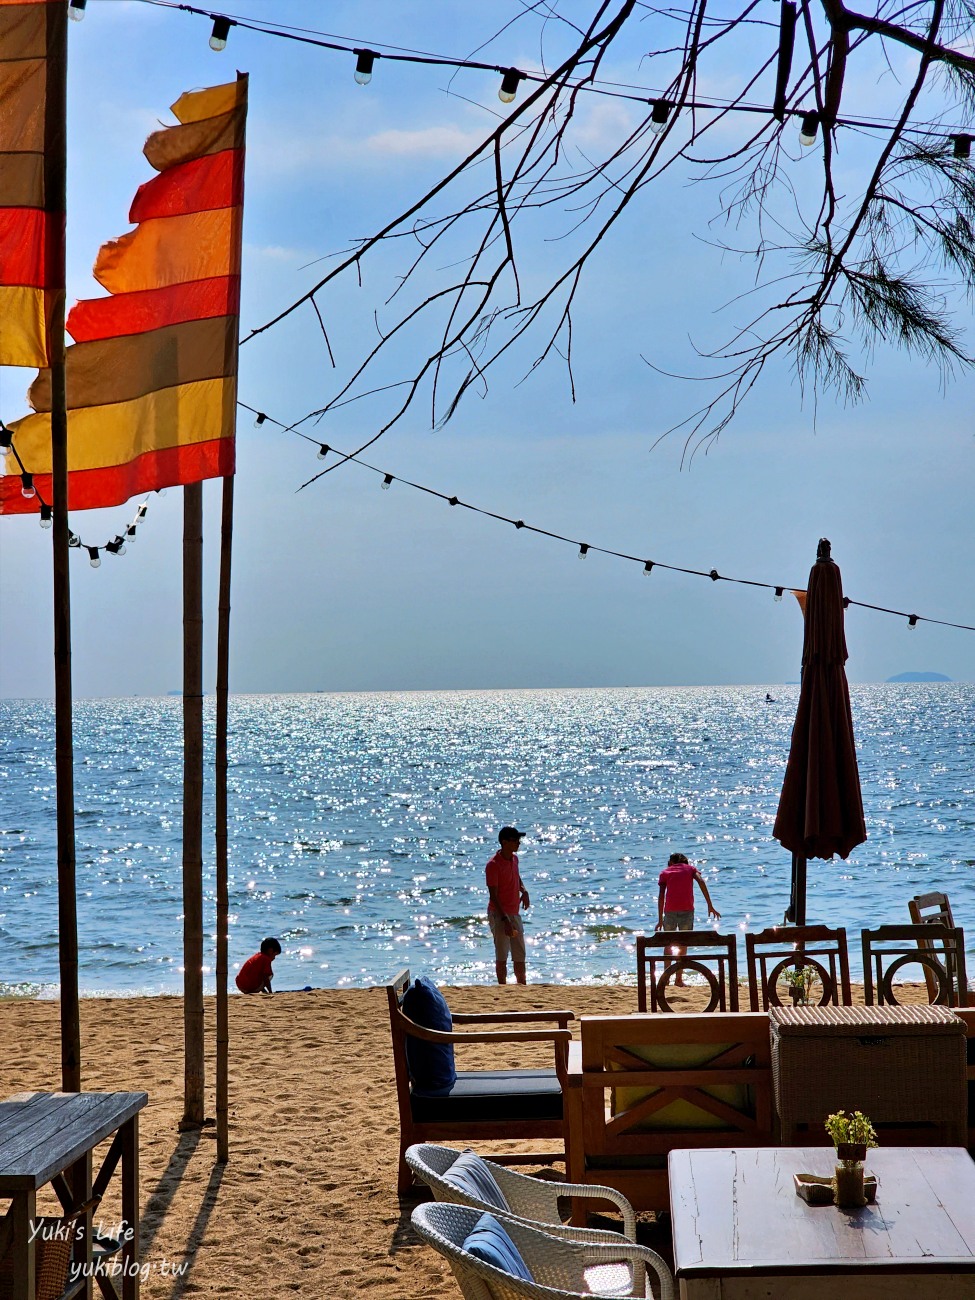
509	833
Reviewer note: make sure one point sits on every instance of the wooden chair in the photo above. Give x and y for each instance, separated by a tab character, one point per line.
930	909
659	962
771	953
968	1016
938	949
643	1085
502	1103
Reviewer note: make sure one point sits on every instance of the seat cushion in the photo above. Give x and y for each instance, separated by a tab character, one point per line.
491	1244
472	1176
431	1065
491	1095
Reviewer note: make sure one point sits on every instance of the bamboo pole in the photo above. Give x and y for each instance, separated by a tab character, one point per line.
193	1068
220	814
55	189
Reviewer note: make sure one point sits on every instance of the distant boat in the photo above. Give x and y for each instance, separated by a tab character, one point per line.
769	699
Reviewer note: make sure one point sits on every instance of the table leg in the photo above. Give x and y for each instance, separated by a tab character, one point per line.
24	1213
79	1181
130	1208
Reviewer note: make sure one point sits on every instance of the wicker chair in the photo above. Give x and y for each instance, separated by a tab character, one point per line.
561	1270
532	1200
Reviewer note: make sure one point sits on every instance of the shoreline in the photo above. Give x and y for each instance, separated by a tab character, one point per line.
307	1201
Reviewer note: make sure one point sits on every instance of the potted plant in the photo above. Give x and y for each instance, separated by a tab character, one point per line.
799	980
851	1135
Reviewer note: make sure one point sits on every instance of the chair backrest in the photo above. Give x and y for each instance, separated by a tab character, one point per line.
968	1016
771	954
930	909
937	949
661	957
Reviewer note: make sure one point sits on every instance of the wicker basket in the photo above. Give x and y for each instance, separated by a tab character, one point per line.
52	1257
905	1067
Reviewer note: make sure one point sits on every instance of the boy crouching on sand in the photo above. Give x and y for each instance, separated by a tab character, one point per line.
255	974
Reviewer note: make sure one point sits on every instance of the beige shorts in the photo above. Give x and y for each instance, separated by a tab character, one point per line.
502	943
679	920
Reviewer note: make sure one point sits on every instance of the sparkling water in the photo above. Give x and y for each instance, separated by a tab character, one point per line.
360	825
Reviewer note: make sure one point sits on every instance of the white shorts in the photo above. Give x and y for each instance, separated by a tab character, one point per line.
503	944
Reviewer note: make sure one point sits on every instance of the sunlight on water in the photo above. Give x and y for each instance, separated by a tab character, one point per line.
360	826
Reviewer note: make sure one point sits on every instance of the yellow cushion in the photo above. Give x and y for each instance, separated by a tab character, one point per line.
681	1114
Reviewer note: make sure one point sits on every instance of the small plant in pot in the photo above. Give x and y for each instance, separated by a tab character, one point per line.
799	981
852	1134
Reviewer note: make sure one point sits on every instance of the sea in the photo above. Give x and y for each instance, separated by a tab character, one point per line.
360	825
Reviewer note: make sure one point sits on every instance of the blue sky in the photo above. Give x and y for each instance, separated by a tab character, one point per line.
343	586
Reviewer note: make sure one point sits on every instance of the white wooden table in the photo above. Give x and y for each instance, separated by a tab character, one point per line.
741	1233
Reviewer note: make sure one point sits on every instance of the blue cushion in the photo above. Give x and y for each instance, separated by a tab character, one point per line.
490	1243
431	1065
472	1176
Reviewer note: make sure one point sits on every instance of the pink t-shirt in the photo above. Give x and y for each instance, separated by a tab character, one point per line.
502	873
678	883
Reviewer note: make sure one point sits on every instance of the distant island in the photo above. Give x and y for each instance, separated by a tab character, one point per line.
919	677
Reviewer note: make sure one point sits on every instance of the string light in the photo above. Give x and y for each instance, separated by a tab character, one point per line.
259	419
808	128
647	568
363	66
323	451
509	85
93	557
387	482
912	622
27	485
962	147
73	539
76	9
47	518
130	534
583	550
778	594
6	440
116	546
221	30
714	575
659	115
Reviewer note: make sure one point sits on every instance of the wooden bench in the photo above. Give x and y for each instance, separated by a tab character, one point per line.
496	1104
640	1086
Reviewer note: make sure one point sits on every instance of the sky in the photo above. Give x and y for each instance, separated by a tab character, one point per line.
342	586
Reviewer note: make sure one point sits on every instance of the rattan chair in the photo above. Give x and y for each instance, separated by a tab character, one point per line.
533	1200
561	1270
661	957
938	949
771	953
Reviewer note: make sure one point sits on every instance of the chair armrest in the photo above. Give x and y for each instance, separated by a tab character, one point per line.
639	1255
603	1194
512	1017
559	1038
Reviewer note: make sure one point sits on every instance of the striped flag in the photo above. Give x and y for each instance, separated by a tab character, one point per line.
152	376
31	45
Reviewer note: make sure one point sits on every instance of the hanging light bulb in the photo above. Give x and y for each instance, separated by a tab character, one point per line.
141	513
93	557
583	550
76	9
323	451
116	546
659	115
363	66
648	568
778	594
509	85
259	419
387	482
808	128
130	533
6	440
453	501
27	485
221	30
160	492
962	147
73	538
46	516
912	622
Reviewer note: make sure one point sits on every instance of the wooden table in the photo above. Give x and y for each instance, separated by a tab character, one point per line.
741	1233
45	1134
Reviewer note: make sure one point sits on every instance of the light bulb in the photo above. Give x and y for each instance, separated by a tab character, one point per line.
130	533
648	568
659	115
259	419
962	147
140	514
509	85
387	482
218	37
73	538
27	485
76	9
778	593
912	623
94	559
47	518
363	66
808	129
583	550
323	451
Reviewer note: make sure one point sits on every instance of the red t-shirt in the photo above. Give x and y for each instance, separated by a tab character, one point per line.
678	883
253	973
502	873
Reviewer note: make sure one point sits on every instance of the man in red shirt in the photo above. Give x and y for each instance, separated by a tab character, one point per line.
255	974
507	893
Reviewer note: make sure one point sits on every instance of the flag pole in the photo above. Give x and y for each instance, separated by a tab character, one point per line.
220	814
55	189
193	1037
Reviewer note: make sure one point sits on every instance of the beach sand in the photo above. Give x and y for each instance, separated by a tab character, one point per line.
307	1201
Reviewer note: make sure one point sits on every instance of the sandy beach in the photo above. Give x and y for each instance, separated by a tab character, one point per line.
307	1202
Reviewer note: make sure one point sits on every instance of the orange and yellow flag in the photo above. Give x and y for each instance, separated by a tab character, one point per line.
152	376
31	70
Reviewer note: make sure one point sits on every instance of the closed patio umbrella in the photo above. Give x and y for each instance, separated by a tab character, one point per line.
821	809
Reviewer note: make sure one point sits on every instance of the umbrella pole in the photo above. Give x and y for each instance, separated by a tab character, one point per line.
797	907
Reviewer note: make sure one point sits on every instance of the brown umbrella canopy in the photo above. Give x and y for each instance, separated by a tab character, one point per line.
820	809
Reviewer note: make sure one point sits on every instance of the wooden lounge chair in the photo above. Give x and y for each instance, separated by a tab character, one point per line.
558	1269
713	956
771	953
930	909
501	1103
